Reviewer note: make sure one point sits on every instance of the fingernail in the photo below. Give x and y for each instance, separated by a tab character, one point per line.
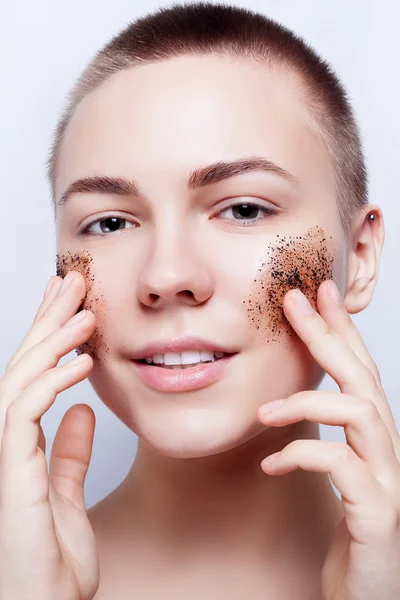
301	302
270	460
74	320
76	361
67	282
334	292
270	406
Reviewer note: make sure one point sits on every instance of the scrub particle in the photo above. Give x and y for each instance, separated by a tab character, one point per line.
93	301
302	262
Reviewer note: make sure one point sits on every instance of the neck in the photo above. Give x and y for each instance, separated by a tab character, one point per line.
225	506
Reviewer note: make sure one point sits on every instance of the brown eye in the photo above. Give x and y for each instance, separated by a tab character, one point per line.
247	213
107	225
111	223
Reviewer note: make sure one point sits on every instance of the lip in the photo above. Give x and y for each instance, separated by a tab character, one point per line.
179	345
184	380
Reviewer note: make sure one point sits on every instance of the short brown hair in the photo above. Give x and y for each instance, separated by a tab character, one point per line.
203	28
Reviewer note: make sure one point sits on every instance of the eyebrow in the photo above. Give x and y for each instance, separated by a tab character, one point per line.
198	178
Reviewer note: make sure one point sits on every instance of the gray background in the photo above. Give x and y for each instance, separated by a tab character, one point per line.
44	46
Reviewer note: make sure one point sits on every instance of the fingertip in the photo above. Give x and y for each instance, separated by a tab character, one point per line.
83	358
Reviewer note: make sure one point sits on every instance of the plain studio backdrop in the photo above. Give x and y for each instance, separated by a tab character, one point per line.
46	44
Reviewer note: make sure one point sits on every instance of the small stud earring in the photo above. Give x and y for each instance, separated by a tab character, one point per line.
371	217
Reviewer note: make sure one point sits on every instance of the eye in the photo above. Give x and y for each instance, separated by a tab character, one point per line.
106	224
246	212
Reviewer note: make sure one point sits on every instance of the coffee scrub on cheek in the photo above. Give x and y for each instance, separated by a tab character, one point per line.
96	345
293	262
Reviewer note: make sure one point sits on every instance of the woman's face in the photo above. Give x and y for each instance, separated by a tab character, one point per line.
175	258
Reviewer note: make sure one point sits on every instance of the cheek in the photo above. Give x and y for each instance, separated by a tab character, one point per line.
292	261
94	301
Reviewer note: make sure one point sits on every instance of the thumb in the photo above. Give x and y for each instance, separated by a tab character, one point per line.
71	453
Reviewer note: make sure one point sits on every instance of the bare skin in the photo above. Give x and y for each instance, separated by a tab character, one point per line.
219	546
196	504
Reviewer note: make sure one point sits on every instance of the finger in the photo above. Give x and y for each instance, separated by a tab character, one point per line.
369	512
51	291
338	319
22	463
365	431
63	306
43	356
71	453
329	348
48	352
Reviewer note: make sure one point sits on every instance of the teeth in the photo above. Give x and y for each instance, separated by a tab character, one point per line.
172	358
176	359
190	358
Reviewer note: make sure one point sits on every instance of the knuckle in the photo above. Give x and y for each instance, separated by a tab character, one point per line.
371	375
375	370
13	412
48	319
49	347
45	383
343	453
319	342
295	446
373	378
47	380
368	411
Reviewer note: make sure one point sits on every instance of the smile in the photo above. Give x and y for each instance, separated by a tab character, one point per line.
183	360
181	377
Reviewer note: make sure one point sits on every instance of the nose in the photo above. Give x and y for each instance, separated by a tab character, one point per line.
175	274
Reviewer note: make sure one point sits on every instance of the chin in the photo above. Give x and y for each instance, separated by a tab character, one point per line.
200	423
196	433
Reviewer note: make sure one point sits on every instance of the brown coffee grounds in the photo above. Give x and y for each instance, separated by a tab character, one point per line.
295	262
83	262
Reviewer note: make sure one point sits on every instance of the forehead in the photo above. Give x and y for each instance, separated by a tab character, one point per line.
177	114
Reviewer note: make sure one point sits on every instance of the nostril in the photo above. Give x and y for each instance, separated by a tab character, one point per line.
183	294
187	294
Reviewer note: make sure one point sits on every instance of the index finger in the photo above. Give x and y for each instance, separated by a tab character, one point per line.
53	312
337	358
339	319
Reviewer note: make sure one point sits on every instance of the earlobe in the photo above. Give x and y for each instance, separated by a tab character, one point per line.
363	262
359	295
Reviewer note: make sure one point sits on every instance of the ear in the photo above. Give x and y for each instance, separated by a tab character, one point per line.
364	259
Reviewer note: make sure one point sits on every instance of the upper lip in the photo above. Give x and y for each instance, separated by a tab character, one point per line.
179	345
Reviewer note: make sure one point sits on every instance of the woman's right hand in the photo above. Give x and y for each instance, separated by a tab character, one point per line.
47	545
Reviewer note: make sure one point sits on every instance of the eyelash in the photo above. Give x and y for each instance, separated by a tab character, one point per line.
268	211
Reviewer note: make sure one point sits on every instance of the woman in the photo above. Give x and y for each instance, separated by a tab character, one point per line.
212	218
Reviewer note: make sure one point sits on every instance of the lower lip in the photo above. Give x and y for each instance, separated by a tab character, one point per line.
182	380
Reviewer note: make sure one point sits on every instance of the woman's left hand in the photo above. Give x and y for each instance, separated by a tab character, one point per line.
363	560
